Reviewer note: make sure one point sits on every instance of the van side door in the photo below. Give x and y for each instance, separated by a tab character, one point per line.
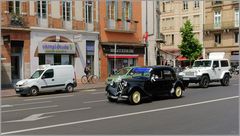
48	80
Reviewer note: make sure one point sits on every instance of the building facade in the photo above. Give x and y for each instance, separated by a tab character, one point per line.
120	35
221	28
48	32
174	14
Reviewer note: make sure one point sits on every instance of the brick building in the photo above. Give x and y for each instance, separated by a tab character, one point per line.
120	35
47	32
221	28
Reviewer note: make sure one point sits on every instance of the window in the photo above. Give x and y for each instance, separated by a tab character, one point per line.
217	2
89	11
167	74
236	36
67	6
216	64
111	10
217	19
172	38
42	9
127	10
224	63
236	17
184	19
163	6
196	4
217	38
185	5
48	74
14	6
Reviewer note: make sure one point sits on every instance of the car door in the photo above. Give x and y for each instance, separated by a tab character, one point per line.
157	82
168	79
47	80
216	70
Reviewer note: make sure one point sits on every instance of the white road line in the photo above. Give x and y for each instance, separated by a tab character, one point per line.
8	106
96	101
117	116
98	93
84	108
44	107
90	90
42	98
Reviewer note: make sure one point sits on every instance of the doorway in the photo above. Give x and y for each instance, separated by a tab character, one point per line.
16	61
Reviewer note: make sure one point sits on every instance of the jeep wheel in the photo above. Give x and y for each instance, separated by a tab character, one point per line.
34	91
204	81
178	92
225	80
135	97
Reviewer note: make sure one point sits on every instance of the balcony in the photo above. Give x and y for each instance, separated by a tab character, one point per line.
221	26
121	26
15	21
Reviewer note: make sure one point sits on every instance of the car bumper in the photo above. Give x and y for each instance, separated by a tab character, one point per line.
191	79
23	90
113	93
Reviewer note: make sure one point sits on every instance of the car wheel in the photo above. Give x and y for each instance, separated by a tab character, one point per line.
204	81
69	88
178	92
34	91
135	97
225	80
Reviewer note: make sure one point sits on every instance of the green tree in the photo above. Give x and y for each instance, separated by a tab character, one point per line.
190	47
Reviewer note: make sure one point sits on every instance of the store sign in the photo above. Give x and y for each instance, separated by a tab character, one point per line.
235	53
56	48
122	50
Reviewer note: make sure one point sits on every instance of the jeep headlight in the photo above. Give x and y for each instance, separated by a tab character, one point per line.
124	83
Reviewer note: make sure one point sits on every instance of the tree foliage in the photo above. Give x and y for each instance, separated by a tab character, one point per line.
190	47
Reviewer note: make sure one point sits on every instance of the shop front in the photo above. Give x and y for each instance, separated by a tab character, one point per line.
119	56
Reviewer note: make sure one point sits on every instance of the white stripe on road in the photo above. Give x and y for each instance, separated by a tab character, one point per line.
90	90
96	101
84	108
42	98
8	106
98	93
30	108
116	116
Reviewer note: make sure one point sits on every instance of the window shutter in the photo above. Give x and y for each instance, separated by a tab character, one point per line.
116	9
123	10
83	7
130	12
107	4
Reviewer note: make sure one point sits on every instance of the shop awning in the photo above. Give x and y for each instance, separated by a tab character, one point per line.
122	56
181	58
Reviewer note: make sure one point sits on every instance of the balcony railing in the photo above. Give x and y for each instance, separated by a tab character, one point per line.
15	20
221	26
123	26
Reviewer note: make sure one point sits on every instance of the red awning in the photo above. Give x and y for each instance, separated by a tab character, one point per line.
122	56
181	58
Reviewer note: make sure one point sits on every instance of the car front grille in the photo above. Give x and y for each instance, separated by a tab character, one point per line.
120	86
189	73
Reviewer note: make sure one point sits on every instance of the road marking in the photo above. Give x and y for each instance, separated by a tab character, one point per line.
44	107
42	98
35	117
8	106
96	101
98	93
117	116
90	90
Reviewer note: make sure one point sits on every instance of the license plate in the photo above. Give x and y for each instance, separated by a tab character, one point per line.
186	78
17	89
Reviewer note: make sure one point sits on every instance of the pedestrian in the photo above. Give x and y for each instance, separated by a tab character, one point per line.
87	70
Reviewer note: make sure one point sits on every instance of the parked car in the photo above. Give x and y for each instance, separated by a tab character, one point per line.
119	75
48	78
146	82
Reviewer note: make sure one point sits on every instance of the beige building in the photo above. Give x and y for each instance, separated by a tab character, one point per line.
173	15
221	28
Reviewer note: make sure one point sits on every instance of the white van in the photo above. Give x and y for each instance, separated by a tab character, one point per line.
48	78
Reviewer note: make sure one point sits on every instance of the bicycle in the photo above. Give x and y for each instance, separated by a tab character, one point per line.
89	79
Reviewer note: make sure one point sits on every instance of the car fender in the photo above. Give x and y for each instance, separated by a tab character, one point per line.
140	88
68	82
178	83
223	73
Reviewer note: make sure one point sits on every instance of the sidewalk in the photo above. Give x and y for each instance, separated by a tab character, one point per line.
11	92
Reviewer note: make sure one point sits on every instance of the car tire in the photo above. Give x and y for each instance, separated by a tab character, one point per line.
204	82
225	80
178	92
34	91
69	88
135	97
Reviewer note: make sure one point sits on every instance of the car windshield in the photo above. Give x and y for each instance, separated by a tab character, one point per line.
123	71
36	74
135	72
202	63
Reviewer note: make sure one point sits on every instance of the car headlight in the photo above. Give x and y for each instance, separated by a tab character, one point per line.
124	83
112	84
25	83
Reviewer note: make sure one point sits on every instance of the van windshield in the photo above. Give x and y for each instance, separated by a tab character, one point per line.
36	74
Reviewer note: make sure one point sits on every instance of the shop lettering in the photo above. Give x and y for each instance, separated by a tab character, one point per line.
122	51
52	47
56	47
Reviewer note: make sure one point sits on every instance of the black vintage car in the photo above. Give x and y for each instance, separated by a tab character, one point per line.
146	82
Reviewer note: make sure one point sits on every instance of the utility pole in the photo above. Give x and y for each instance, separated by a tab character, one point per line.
146	33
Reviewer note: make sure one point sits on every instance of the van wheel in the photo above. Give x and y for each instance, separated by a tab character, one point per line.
204	81
178	92
135	97
34	91
225	80
69	88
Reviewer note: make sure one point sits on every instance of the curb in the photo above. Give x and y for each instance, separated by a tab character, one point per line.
76	90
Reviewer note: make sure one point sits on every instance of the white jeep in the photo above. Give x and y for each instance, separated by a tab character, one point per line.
205	71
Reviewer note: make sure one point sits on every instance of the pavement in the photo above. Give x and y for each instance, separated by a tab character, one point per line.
10	92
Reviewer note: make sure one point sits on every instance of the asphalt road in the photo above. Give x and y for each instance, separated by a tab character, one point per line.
214	110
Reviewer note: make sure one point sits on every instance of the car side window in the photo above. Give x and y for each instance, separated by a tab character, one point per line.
216	64
167	74
48	74
224	63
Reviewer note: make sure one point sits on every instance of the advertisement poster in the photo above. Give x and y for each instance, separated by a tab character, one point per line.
49	59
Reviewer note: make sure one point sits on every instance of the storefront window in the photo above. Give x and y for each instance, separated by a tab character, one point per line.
55	59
